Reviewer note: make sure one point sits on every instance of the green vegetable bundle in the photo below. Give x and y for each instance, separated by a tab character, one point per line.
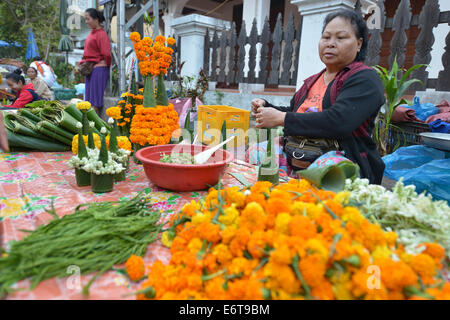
60	118
21	141
95	238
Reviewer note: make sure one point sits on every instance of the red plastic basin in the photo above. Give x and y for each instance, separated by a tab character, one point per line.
183	177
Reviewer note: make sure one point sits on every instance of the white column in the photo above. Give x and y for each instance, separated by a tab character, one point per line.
192	30
314	13
259	9
440	33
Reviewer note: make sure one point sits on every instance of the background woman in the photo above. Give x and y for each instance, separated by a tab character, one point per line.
97	51
340	102
24	92
39	84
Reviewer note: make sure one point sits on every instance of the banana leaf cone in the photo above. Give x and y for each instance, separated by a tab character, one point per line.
149	93
99	123
161	93
74	112
328	177
19	141
103	156
223	135
82	151
91	142
351	170
85	123
120	176
83	178
269	170
113	146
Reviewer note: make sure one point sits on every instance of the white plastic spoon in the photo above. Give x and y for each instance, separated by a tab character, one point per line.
202	157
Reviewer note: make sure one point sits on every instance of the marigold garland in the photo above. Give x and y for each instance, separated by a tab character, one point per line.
124	111
291	241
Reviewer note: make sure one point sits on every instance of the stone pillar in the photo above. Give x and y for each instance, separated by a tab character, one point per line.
259	10
192	30
314	13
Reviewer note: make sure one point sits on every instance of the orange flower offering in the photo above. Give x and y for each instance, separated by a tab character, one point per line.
291	241
135	267
153	126
154	56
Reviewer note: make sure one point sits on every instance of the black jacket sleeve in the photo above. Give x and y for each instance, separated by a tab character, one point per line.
360	97
283	109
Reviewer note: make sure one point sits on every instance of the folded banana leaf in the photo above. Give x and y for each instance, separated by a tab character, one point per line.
328	177
18	124
74	112
40	126
351	170
28	114
18	141
99	123
58	130
60	118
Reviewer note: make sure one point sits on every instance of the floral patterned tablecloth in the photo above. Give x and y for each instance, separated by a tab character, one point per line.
30	181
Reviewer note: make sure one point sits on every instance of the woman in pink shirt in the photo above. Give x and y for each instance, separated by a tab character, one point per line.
97	49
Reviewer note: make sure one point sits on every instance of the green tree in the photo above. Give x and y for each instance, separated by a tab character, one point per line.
41	15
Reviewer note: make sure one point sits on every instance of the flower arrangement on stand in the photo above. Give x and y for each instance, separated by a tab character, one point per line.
124	111
79	160
155	120
102	167
290	241
120	155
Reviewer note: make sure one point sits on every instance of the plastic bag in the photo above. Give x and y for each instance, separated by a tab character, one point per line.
426	168
80	88
423	111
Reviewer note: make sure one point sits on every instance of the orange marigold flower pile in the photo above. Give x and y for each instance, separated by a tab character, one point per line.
291	241
154	56
153	126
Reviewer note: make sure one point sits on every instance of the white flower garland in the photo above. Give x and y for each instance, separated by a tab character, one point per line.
76	163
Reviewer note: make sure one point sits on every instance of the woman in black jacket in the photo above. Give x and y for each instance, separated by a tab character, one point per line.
340	102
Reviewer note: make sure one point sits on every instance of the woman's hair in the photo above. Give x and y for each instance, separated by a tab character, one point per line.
359	25
37	58
96	15
16	75
35	70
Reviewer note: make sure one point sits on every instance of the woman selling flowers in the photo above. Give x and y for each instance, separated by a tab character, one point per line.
339	103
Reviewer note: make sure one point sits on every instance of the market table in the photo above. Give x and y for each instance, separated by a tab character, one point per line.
29	182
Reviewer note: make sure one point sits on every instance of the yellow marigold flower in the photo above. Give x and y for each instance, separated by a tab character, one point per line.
170	41
135	267
342	286
281	254
135	37
282	223
195	245
230	217
222	253
342	197
381	252
305	208
315	246
83	105
200	218
351	214
97	142
114	112
167	239
253	217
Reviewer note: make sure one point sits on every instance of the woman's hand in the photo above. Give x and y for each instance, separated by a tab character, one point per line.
256	104
269	118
